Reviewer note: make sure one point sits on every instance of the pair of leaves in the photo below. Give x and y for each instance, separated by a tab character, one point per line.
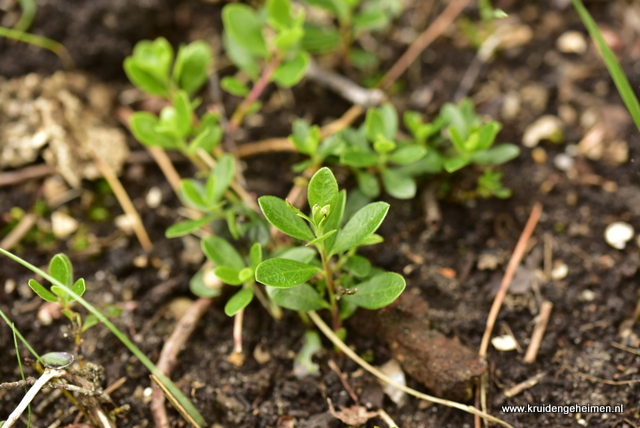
207	197
230	266
150	65
61	269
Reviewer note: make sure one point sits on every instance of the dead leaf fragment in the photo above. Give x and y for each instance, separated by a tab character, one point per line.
354	415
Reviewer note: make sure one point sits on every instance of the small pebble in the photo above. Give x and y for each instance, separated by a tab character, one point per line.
392	369
587	296
63	225
504	343
546	128
261	354
572	42
539	155
179	306
124	223
563	162
154	197
618	234
560	270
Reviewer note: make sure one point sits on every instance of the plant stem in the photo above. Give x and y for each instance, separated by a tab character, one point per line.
328	275
324	328
256	91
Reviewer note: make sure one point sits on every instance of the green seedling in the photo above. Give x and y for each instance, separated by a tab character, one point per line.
477	33
341	280
354	18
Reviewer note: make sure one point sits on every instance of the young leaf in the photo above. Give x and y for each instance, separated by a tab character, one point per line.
191	69
358	158
183	113
148	67
223	173
302	297
208	138
322	238
339	8
291	72
298	254
378	291
323	188
222	253
369	20
496	155
239	301
279	14
455	163
407	154
255	254
192	193
57	360
398	185
487	135
288	39
79	287
234	86
143	127
242	25
186	227
284	273
319	39
242	58
200	289
283	218
41	291
359	266
374	124
372	240
368	184
362	224
335	219
246	274
228	275
89	322
61	269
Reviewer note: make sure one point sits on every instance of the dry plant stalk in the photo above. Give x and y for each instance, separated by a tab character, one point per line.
538	332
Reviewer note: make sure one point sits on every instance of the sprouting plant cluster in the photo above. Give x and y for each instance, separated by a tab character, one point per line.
458	137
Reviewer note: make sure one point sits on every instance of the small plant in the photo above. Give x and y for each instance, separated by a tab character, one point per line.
458	137
341	280
61	269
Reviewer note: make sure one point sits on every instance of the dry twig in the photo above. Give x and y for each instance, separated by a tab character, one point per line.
538	332
18	232
10	178
517	389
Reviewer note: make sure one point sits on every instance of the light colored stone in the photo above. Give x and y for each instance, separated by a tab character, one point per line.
63	225
393	370
618	234
587	296
563	162
560	270
546	128
572	42
154	197
504	343
539	155
511	105
124	223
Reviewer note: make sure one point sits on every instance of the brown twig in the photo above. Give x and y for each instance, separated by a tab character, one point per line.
333	366
625	348
605	381
538	332
166	166
18	232
517	389
516	258
125	202
11	178
436	28
169	355
265	146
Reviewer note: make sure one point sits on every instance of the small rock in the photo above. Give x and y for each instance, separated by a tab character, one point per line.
572	42
392	369
488	261
124	223
546	128
154	197
563	162
618	234
63	225
587	296
261	355
54	189
504	343
421	97
539	155
179	306
560	270
535	95
511	105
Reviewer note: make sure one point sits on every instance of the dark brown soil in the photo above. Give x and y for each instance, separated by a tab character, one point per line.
591	303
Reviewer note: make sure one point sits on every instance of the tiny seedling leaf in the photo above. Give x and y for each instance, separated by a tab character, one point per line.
41	291
183	113
255	254
323	188
299	254
79	287
222	253
200	289
61	269
192	193
455	163
228	275
279	14
241	57
223	172
362	224
57	360
243	25
370	20
398	185
284	272
378	291
246	274
358	158
234	86
407	154
496	155
239	301
368	184
284	218
359	266
191	69
302	297
143	127
291	72
186	227
335	219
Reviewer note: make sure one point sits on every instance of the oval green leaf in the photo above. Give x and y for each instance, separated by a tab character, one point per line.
242	24
323	189
378	291
283	218
302	297
239	301
362	224
57	360
284	272
222	253
398	185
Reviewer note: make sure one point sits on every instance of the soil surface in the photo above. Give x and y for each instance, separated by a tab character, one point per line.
590	351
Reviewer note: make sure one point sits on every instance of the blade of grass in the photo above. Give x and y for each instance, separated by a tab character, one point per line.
29	8
615	70
15	344
43	42
175	391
